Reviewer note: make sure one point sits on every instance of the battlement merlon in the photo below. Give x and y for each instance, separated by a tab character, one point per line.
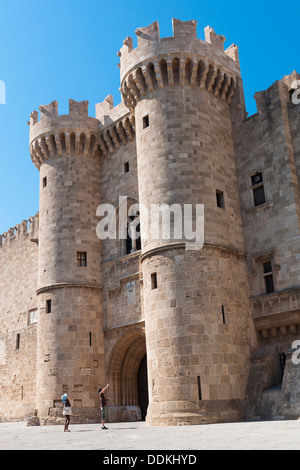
27	228
184	40
292	80
107	113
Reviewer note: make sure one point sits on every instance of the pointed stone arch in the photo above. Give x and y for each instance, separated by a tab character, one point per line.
123	368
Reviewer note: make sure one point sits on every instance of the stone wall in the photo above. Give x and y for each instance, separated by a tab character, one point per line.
18	320
271	232
123	318
277	221
118	179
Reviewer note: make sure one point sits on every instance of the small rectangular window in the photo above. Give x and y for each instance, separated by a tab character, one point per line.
33	317
145	121
268	277
258	189
153	281
18	341
48	306
223	315
81	258
269	284
220	199
259	196
126	167
44	181
199	388
267	267
90	335
257	178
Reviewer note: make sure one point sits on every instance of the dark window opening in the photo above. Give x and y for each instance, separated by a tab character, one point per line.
259	196
267	267
81	258
44	181
138	240
133	240
258	189
282	358
90	335
256	179
269	283
199	387
18	341
154	281
145	121
223	315
220	199
48	306
128	244
126	167
268	277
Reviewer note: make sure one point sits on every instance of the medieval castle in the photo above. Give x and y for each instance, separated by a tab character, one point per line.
182	336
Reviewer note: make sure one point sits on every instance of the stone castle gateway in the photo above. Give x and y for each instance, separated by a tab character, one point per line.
182	336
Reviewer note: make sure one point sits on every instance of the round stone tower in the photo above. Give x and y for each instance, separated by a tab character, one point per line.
196	306
70	350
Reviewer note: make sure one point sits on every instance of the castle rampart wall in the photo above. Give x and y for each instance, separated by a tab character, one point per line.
294	120
271	230
18	319
273	152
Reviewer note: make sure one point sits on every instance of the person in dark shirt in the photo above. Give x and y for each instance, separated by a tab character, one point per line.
103	404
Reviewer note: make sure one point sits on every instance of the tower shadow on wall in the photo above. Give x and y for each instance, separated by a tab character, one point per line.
143	398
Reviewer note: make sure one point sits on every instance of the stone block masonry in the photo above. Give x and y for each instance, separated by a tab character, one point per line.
18	320
182	337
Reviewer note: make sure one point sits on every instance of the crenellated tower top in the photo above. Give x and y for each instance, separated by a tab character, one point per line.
156	62
182	59
78	133
54	135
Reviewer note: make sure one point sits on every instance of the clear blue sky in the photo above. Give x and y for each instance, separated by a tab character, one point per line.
61	49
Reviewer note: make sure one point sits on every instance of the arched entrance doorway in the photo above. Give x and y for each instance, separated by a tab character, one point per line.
127	376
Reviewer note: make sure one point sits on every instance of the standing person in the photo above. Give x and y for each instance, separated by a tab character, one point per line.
66	412
103	404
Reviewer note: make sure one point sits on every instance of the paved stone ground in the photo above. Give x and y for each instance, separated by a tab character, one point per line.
260	435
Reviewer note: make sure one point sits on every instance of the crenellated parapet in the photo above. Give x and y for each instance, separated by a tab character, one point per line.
28	228
76	133
54	135
179	60
116	126
156	62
